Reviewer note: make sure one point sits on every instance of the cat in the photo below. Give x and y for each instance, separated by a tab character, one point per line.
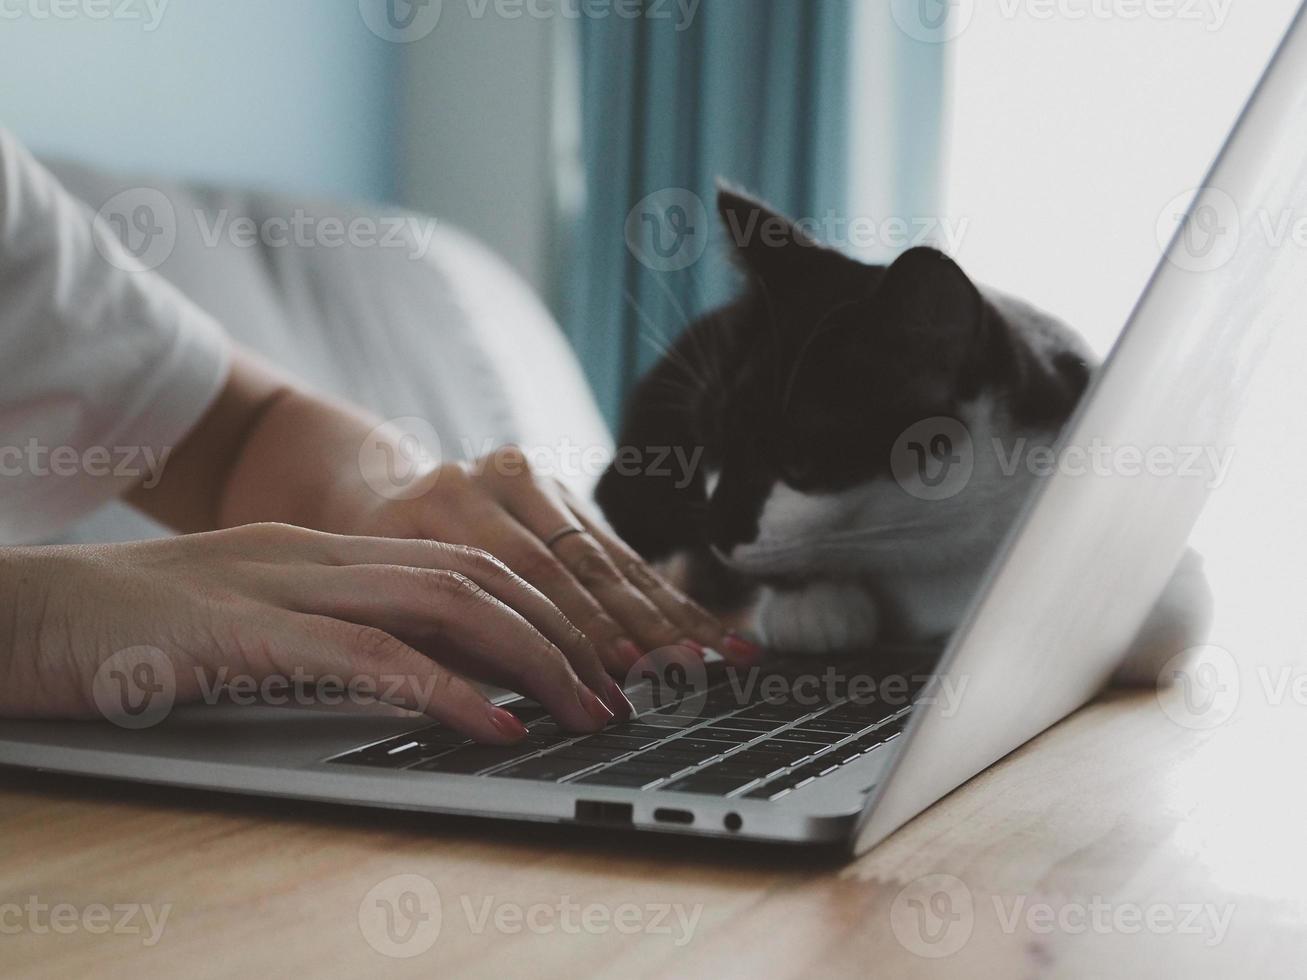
820	493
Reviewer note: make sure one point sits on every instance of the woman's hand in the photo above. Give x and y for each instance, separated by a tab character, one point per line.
277	603
541	531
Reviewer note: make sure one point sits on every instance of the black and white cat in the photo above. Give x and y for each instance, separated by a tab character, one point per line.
801	403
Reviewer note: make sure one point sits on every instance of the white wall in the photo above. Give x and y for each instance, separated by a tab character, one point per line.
479	124
293	94
1068	136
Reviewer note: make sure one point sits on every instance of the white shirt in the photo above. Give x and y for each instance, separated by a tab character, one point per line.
104	367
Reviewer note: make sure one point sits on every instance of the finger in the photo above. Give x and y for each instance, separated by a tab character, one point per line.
462	625
695	621
399	674
543	513
496	578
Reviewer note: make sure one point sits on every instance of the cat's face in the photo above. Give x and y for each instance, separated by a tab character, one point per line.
824	365
795	399
831	361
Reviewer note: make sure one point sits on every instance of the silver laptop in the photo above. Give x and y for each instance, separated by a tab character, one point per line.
841	753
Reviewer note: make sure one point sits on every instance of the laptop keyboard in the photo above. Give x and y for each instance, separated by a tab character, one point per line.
713	742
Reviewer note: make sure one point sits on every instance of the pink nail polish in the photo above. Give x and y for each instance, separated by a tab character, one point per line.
629	653
593	706
506	723
740	648
617	700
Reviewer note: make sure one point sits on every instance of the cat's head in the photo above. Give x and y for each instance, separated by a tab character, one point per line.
798	393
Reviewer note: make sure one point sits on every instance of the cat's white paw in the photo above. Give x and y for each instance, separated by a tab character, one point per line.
820	618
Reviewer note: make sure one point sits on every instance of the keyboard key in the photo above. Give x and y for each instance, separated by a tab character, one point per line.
669	756
725	735
786	750
709	784
823	724
812	738
736	723
668	722
773	790
753	768
626	780
439	735
646	763
637	730
627	743
777	712
471	760
575	751
545	768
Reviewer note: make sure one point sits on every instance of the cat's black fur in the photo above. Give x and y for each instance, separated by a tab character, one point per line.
810	375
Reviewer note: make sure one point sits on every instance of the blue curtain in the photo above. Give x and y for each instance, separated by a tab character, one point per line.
751	91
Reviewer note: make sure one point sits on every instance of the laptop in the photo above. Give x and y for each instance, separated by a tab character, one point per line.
841	752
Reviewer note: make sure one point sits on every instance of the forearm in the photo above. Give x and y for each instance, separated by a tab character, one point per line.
265	451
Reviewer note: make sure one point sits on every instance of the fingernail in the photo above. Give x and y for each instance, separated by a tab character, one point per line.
694	645
740	648
506	723
593	706
617	700
629	653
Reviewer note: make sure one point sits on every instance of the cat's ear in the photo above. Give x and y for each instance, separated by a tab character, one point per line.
766	243
915	333
926	299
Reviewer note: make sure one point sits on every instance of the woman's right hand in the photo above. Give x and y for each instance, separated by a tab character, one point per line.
414	619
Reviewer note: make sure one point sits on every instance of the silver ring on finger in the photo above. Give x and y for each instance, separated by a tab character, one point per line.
561	533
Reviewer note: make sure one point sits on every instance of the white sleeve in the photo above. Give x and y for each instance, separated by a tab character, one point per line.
104	367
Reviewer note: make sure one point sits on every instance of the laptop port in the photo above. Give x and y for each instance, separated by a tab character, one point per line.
665	815
595	811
